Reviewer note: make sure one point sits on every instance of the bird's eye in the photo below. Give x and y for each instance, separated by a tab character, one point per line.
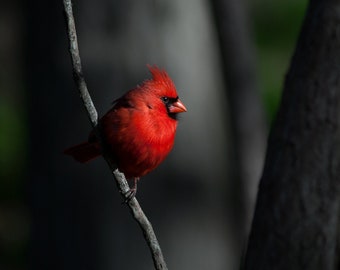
165	99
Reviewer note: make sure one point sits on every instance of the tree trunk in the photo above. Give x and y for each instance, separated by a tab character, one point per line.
296	217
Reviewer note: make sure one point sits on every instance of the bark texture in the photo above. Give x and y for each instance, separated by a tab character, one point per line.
296	216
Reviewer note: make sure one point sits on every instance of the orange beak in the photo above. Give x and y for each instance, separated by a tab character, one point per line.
177	107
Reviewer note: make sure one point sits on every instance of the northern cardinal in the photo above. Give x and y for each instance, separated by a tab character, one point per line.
139	131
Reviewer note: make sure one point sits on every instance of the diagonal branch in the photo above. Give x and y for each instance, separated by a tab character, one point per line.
121	182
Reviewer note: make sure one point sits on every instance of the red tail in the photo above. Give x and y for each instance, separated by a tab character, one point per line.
84	152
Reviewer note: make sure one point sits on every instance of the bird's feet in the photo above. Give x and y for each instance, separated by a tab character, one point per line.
131	193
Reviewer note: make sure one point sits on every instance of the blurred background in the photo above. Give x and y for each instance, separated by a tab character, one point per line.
228	60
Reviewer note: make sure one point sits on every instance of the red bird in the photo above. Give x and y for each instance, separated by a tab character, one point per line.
139	131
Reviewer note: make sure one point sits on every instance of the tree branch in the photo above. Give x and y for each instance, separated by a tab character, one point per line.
119	177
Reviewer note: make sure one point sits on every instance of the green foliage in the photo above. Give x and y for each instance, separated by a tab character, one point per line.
276	25
12	149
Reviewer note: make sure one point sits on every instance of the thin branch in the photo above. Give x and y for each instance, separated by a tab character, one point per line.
119	177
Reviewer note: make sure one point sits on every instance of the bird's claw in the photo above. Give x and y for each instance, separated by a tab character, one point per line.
129	195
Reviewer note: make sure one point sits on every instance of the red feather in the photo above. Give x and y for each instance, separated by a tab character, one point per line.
139	131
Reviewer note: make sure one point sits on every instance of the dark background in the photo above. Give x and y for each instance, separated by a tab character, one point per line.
58	214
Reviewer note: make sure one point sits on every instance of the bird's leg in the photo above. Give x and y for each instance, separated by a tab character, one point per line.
132	192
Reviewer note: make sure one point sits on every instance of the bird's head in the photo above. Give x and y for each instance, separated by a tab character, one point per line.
162	93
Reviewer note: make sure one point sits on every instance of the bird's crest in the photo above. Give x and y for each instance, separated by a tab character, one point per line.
161	82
